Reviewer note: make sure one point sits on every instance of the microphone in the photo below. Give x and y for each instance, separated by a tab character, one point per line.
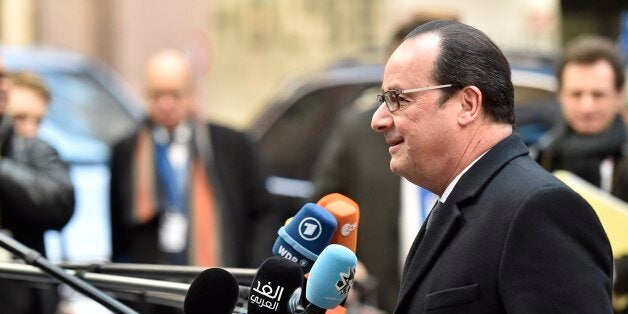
330	279
276	287
306	235
337	310
214	290
347	214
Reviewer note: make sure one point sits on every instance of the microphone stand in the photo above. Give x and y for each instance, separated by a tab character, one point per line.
32	257
244	276
152	291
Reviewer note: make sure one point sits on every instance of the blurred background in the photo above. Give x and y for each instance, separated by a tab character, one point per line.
246	47
246	53
282	70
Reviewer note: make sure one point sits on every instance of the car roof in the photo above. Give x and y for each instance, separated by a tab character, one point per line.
40	58
72	133
524	74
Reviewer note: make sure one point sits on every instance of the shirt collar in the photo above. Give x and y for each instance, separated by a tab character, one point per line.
180	135
453	183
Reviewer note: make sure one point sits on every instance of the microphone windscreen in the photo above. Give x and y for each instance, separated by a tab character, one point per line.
331	277
306	235
214	290
347	214
276	287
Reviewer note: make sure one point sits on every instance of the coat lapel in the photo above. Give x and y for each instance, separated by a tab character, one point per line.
429	245
426	248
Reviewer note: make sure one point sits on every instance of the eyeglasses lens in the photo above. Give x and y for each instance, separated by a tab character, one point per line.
391	100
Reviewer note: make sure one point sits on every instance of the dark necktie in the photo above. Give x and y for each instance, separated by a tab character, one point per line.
433	214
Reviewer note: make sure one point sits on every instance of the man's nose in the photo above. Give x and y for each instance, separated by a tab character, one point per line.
587	102
31	128
28	125
382	119
165	99
165	96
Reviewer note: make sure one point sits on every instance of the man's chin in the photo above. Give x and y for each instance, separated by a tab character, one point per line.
169	124
396	168
589	129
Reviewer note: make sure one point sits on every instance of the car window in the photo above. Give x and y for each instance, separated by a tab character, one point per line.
367	99
292	144
82	106
529	95
536	111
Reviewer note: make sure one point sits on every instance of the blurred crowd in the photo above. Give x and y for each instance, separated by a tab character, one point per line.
187	192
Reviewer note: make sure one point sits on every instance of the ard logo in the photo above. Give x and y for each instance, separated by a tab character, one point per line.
310	229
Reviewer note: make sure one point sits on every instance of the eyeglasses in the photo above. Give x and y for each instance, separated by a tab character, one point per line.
27	117
391	97
155	94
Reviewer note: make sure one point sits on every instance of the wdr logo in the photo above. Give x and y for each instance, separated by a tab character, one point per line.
310	229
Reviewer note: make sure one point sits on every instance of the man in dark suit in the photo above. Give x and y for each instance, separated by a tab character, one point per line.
359	169
186	192
506	236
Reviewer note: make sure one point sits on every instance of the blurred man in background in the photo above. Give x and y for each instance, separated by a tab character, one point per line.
590	139
391	208
28	102
182	191
36	195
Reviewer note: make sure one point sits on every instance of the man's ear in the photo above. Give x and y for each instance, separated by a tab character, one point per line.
470	105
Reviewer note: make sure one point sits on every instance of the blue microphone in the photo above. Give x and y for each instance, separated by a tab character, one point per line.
306	235
330	279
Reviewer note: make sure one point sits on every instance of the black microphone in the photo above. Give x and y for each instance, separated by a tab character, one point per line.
33	257
214	290
276	287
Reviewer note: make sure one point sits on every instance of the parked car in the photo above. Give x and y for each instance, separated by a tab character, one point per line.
90	108
292	130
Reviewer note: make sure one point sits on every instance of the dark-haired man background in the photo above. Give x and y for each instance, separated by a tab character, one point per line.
589	140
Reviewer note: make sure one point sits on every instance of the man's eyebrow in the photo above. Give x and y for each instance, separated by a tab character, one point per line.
392	87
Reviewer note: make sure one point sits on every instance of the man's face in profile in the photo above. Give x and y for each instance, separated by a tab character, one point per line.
588	97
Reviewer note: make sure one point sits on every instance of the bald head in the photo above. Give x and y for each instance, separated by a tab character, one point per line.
169	85
168	67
